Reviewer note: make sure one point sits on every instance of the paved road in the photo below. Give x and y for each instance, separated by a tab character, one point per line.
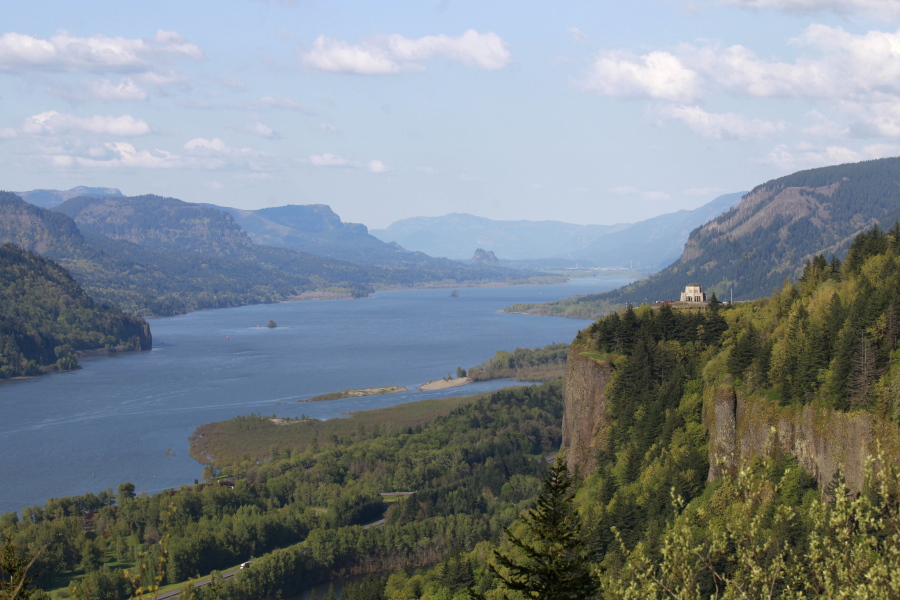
200	582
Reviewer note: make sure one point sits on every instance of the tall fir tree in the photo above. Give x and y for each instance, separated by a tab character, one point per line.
554	561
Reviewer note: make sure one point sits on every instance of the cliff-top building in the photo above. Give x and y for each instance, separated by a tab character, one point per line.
693	293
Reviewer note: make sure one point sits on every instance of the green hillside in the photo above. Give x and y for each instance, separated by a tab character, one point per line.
46	319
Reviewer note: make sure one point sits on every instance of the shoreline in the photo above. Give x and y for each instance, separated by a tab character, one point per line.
443	384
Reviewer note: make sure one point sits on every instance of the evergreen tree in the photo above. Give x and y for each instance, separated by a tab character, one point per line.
555	562
330	595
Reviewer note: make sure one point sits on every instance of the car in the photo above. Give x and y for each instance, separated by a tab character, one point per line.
245	565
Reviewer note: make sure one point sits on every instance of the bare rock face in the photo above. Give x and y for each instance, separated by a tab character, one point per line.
484	257
822	439
586	416
722	434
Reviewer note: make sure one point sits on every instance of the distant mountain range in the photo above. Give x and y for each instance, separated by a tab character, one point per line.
646	245
158	256
316	229
51	198
767	238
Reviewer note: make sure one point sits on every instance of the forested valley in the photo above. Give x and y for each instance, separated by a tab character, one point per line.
480	512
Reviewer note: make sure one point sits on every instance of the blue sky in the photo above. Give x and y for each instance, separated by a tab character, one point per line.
586	112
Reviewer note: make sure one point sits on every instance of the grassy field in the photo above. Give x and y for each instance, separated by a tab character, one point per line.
256	437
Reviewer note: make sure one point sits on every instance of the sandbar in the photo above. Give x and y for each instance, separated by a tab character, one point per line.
391	389
445	383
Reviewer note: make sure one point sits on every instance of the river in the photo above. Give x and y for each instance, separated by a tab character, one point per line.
128	417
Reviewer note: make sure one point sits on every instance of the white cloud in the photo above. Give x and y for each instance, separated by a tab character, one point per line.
52	123
887	9
657	75
107	91
113	155
805	156
823	127
330	160
221	155
376	166
719	126
98	53
262	130
396	53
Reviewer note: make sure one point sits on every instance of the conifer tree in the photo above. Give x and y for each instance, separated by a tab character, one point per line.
554	565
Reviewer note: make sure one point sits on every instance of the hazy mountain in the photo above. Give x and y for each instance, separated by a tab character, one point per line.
51	198
654	243
458	235
316	229
769	236
647	245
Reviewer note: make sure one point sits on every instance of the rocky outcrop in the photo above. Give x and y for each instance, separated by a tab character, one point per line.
484	257
823	440
586	416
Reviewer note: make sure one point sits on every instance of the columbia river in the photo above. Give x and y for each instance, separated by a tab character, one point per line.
128	417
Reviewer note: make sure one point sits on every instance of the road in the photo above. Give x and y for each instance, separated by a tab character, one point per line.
200	582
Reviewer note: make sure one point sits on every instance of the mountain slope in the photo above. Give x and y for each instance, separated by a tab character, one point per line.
646	245
159	223
316	229
654	243
47	318
767	237
157	280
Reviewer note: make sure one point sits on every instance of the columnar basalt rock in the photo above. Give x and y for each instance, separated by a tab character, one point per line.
824	440
586	416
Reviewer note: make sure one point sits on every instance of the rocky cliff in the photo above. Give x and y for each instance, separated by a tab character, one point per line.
823	440
740	428
585	417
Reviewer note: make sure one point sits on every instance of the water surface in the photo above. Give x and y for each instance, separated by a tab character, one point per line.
128	417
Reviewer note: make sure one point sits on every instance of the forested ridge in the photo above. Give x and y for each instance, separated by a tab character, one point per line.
155	256
776	228
46	318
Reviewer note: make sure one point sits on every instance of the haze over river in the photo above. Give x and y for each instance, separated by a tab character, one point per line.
128	417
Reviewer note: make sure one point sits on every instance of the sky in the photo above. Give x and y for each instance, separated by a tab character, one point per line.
595	112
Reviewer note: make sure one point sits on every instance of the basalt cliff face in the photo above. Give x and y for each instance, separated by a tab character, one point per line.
823	440
586	418
740	428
